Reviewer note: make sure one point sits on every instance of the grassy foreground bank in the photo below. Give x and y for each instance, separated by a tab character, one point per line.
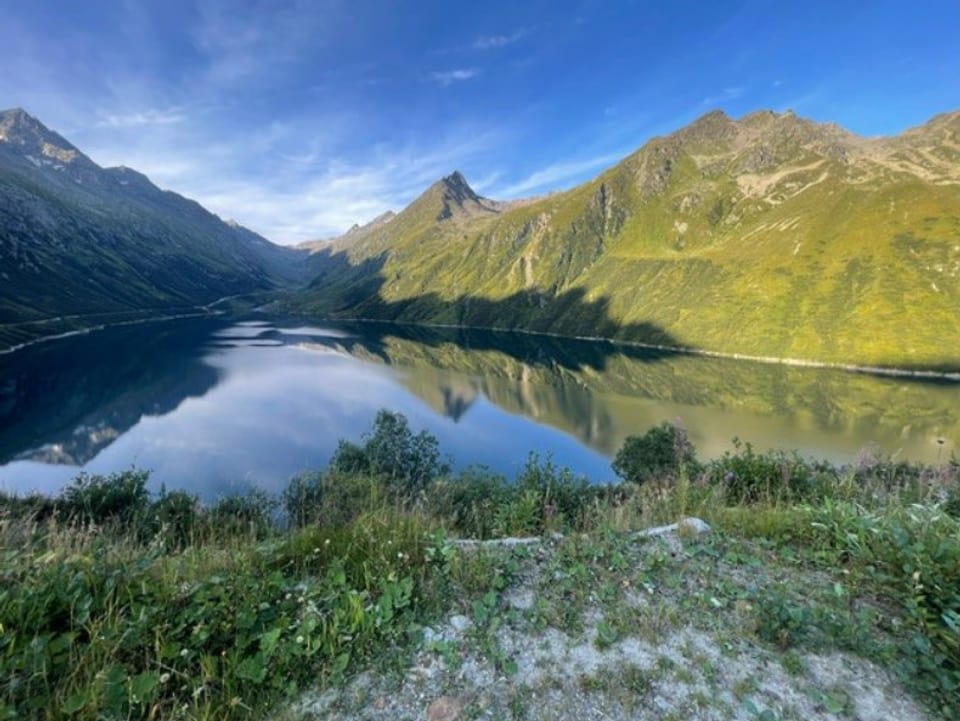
118	604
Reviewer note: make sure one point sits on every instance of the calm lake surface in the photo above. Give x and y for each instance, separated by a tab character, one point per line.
216	406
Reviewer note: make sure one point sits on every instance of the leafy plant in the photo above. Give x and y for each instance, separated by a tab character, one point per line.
661	452
409	462
117	498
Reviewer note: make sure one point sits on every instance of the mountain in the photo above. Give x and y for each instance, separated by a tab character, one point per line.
356	232
771	235
76	238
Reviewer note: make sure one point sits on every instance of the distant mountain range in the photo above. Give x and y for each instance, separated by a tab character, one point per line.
80	239
771	236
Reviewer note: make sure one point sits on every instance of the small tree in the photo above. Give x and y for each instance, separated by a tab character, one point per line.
661	451
409	462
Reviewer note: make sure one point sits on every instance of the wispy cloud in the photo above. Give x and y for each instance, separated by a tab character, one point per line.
448	77
297	187
138	119
549	177
284	32
725	95
489	42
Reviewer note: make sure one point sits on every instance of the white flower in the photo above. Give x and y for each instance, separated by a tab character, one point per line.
185	652
300	639
164	677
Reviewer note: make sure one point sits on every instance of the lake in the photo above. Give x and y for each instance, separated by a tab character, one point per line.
216	406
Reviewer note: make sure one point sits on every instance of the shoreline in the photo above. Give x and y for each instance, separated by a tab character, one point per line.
953	376
890	372
200	311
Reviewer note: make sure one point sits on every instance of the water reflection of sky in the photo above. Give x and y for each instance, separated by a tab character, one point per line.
281	410
218	409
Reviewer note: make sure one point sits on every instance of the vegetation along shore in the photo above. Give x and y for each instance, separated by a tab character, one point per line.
818	591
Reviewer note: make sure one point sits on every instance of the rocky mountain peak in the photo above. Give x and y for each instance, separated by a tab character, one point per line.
458	199
29	137
715	126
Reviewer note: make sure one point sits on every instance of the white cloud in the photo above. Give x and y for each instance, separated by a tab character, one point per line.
288	184
448	77
489	42
485	182
726	95
554	174
138	119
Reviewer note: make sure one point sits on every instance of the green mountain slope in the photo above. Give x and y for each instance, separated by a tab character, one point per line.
76	238
770	235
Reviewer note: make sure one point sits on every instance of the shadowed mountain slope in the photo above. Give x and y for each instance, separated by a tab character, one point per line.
77	238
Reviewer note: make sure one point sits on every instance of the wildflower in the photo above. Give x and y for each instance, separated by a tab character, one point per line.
185	652
326	542
164	677
300	639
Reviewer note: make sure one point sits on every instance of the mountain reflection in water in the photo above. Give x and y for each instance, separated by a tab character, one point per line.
214	405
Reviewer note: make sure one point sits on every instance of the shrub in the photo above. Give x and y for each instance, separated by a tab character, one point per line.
409	462
563	496
247	513
470	500
749	476
35	506
175	516
120	498
303	499
914	553
346	496
662	451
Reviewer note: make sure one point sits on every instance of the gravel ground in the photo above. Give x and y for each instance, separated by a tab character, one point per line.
667	645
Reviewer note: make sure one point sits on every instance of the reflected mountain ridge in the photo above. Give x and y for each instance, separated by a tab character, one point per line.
67	412
65	401
581	387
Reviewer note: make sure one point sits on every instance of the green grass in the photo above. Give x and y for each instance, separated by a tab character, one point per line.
115	603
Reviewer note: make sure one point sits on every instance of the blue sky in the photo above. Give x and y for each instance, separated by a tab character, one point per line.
301	118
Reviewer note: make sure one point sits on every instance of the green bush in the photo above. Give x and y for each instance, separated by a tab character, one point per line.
303	499
470	500
409	462
750	477
346	496
116	633
176	517
34	506
661	452
564	497
914	554
119	498
249	513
